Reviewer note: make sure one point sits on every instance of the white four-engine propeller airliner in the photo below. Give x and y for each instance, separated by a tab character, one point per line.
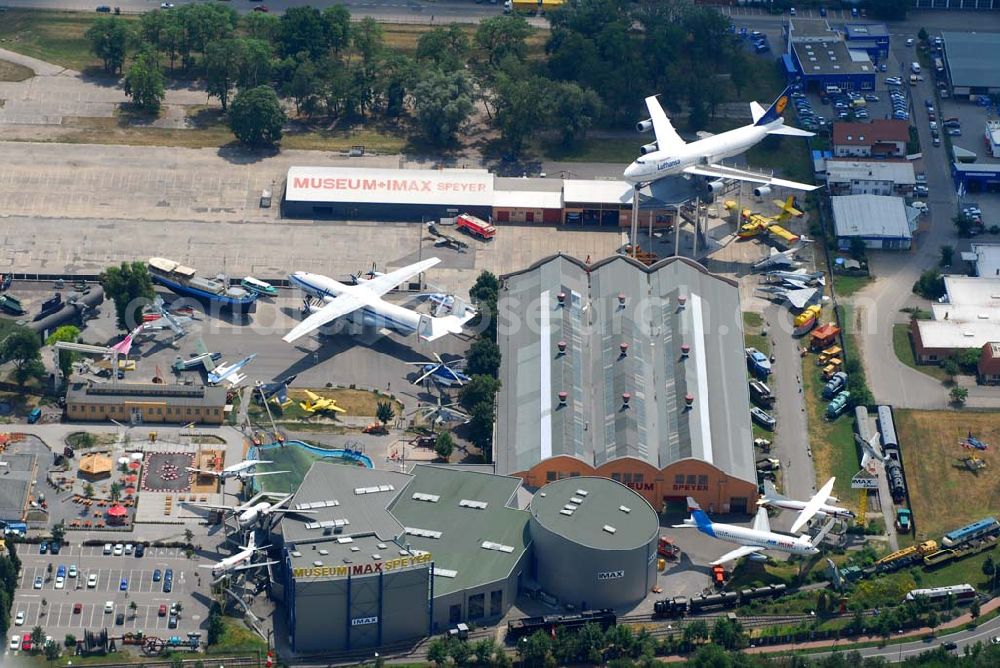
670	155
364	304
818	506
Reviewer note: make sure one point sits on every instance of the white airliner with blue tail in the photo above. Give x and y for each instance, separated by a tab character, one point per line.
670	155
751	541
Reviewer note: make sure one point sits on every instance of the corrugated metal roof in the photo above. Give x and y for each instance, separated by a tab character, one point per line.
973	58
839	171
470	187
526	199
870	216
580	191
594	426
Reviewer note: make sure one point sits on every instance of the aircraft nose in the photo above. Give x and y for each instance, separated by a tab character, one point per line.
631	171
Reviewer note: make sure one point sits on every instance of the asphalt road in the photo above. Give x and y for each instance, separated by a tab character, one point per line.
389	11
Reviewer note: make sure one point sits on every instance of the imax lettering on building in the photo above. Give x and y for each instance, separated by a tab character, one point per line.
611	575
446	187
364	621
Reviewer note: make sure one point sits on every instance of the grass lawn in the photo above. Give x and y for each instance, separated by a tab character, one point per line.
237	638
52	36
589	150
752	320
902	344
789	156
13	72
833	448
944	495
845	286
968	570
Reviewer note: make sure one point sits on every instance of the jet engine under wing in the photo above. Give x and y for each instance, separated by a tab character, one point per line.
386	282
742	551
337	307
666	136
723	172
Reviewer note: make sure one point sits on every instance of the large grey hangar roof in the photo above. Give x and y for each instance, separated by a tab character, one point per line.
599	513
673	306
973	58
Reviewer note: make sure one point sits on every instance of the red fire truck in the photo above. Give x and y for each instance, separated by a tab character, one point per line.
475	226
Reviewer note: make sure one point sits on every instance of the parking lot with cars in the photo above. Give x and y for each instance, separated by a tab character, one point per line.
98	590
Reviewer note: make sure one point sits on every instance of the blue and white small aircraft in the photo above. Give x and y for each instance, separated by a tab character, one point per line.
229	373
751	541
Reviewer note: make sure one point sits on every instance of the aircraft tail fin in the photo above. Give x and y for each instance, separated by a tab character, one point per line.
701	520
756	111
774	112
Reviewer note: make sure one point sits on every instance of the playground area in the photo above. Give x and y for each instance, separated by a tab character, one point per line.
945	491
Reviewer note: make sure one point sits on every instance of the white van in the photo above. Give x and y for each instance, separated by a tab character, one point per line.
915	68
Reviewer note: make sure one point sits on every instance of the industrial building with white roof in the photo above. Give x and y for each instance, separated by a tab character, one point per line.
629	372
431	194
882	222
968	317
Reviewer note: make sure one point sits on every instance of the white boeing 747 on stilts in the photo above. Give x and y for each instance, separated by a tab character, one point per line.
751	541
670	155
363	303
817	506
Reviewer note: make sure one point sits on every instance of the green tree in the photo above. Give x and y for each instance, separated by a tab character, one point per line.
858	248
131	288
922	35
23	349
989	567
968	359
481	429
132	607
728	634
304	88
303	31
444	445
498	37
59	532
384	412
575	110
486	287
695	631
109	38
446	48
933	619
337	27
88	491
51	649
930	285
479	389
69	640
115	492
974	608
255	63
222	68
437	651
959	395
947	255
534	651
216	627
144	82
188	536
66	334
442	102
483	358
37	636
261	26
256	116
950	367
523	104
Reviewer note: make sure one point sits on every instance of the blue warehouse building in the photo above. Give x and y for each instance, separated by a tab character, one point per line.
872	38
976	177
819	57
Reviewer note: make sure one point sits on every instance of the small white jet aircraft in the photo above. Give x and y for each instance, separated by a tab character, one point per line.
816	506
250	513
781	259
670	155
240	561
751	541
241	470
228	373
364	304
870	451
